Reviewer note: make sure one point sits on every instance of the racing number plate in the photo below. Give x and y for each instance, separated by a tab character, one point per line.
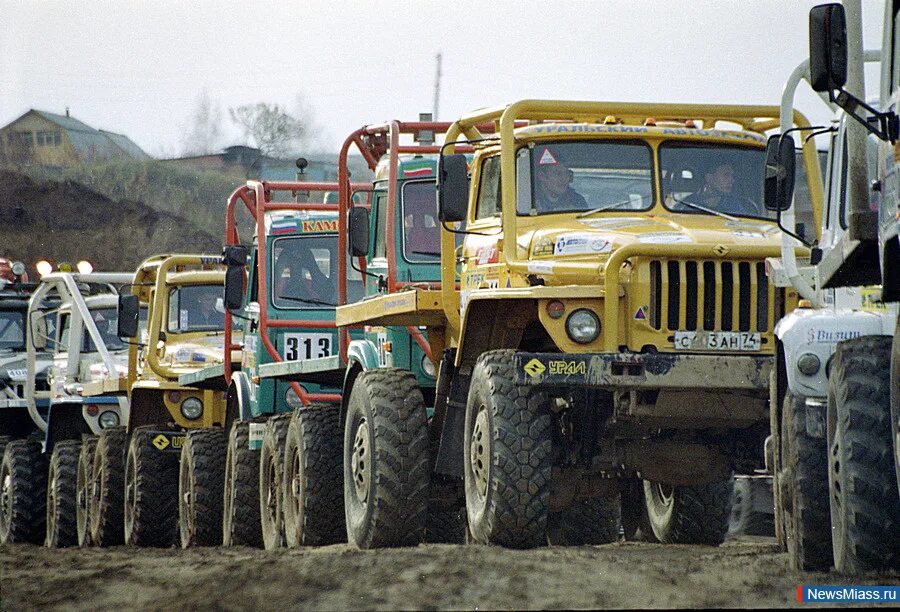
306	346
716	341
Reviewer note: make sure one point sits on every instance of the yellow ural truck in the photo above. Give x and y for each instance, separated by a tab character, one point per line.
128	487
604	331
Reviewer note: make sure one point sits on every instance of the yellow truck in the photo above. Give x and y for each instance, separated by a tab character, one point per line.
605	327
128	479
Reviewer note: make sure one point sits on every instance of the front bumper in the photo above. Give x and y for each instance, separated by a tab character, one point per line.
645	371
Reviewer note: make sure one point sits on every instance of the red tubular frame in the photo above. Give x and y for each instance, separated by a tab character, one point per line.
252	194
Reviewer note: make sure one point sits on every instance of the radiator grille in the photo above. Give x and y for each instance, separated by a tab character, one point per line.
710	295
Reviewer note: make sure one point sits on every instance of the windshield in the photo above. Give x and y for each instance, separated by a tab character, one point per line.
421	229
107	322
304	273
196	308
12	330
586	176
713	179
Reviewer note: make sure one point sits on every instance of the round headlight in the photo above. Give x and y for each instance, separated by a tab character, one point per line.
108	419
292	399
192	408
808	364
428	367
583	326
44	267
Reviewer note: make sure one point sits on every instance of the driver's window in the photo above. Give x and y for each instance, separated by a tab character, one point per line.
64	324
380	249
489	189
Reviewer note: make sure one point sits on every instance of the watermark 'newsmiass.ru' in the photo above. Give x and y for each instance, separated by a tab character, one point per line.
847	594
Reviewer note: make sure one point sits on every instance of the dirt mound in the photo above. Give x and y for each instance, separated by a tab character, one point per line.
67	222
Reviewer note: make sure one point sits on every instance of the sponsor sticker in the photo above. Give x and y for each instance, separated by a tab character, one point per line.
255	439
579	244
747	234
534	367
18	374
542	246
641	314
540	267
547	159
664	238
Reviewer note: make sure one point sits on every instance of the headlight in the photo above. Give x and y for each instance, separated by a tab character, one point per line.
192	408
292	399
428	367
808	364
583	326
108	419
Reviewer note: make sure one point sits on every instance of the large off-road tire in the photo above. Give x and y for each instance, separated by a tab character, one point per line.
689	515
507	456
151	492
107	500
895	400
201	477
23	485
62	477
271	471
83	483
747	518
865	506
240	504
588	522
803	487
386	460
4	440
313	484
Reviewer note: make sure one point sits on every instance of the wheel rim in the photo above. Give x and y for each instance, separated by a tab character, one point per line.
480	452
272	489
81	499
5	498
361	460
837	509
185	500
227	502
130	496
296	485
51	502
660	502
94	501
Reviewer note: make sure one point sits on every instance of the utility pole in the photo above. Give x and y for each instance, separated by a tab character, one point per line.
437	86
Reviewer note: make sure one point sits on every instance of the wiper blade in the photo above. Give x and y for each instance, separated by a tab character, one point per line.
602	208
705	209
308	301
426	253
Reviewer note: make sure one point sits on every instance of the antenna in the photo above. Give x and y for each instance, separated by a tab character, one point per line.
437	86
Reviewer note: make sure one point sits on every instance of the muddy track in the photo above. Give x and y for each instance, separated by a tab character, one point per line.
746	573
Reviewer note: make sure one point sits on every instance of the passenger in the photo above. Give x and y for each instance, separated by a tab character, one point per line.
553	191
716	193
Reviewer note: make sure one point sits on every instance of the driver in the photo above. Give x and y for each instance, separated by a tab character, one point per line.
205	314
306	277
716	193
553	191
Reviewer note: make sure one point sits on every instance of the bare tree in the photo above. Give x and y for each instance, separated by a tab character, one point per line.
273	129
204	134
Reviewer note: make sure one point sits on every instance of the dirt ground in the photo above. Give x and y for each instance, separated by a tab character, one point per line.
742	573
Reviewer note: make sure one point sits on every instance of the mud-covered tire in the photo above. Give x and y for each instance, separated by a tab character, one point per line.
747	519
386	460
865	506
313	485
689	514
83	480
23	485
895	400
803	482
271	471
108	488
201	477
446	525
62	478
151	492
588	522
240	503
507	456
635	525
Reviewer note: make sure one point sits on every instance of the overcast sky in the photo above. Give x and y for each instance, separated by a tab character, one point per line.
138	67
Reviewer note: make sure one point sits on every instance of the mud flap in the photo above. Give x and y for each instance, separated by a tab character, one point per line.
166	441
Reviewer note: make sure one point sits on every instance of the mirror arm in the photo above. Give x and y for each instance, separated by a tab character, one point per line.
886	125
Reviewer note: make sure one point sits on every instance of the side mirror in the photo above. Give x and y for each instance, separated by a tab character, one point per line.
235	255
827	47
38	326
358	224
129	310
453	188
778	184
234	287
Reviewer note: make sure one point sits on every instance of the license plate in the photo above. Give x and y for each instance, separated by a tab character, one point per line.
716	341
